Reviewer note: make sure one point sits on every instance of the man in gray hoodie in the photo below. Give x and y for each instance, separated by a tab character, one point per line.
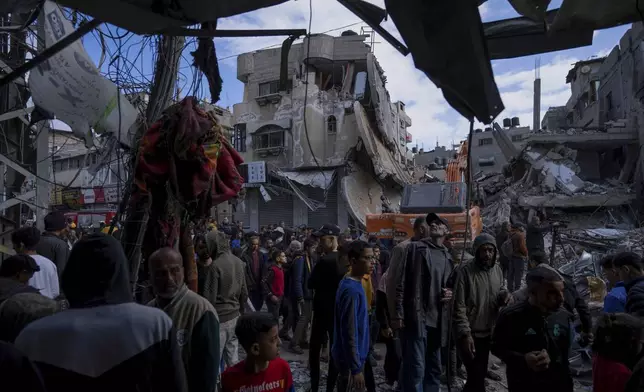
478	296
224	285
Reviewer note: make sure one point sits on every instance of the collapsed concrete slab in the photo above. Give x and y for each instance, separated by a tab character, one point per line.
576	201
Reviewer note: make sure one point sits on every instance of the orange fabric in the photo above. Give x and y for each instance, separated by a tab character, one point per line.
519	246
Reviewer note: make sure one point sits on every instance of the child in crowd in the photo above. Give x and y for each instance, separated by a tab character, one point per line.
617	345
262	370
351	341
273	283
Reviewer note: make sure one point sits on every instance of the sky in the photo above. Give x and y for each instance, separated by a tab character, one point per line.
433	120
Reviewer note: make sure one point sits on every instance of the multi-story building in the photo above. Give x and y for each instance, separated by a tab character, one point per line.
436	158
487	155
324	145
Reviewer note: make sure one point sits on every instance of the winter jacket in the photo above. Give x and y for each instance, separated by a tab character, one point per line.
55	249
196	327
273	281
476	294
301	273
534	237
522	328
615	300
635	297
324	280
16	367
418	290
117	345
224	280
253	282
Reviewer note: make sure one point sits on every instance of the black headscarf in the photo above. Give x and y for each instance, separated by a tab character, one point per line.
96	273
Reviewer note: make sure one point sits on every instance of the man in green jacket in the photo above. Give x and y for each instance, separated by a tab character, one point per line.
194	320
479	293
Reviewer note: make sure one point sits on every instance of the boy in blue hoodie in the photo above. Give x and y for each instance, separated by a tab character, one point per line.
351	333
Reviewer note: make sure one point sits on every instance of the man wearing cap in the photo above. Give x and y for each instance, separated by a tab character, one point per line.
324	281
52	245
420	294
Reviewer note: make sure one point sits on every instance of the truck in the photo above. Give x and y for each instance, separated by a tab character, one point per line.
447	199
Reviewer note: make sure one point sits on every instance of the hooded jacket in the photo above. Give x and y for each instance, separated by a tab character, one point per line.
476	293
224	280
105	341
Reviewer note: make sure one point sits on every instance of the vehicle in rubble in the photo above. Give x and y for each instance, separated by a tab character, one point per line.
445	199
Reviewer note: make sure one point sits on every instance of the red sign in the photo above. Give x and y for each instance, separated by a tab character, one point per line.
99	195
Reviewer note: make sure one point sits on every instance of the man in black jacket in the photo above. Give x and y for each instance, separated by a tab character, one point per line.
533	337
631	272
254	262
52	245
325	279
115	342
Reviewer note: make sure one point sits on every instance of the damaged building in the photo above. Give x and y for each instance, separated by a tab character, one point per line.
328	146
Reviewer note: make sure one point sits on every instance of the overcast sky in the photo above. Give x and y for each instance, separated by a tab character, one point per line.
432	118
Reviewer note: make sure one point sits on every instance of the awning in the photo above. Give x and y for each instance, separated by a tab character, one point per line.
322	179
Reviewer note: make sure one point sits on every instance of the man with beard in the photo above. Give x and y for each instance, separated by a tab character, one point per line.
325	279
533	337
104	341
478	296
194	320
420	292
255	261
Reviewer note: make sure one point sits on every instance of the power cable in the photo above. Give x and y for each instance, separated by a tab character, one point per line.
306	91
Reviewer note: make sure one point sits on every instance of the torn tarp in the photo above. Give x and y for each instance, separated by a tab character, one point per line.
150	17
322	179
446	41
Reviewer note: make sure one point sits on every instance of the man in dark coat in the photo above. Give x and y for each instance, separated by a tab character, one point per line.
116	343
52	245
254	261
420	292
631	272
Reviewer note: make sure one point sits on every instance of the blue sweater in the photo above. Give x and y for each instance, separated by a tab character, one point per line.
615	300
351	326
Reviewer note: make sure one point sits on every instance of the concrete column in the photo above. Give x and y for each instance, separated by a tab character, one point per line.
343	209
630	164
252	204
43	163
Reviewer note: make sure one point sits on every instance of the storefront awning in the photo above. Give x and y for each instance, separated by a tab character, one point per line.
322	179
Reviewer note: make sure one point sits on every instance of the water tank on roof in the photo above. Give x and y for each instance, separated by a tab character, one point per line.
488	129
515	122
347	33
414	150
507	123
478	130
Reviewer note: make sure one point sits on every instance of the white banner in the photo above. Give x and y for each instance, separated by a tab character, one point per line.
70	86
111	195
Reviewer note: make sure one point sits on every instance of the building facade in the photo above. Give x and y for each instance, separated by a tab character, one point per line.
325	146
487	156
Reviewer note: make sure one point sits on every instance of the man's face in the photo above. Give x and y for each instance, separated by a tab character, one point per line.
487	253
282	224
364	264
624	273
327	243
376	253
611	274
313	250
281	258
269	244
550	295
167	276
437	229
254	244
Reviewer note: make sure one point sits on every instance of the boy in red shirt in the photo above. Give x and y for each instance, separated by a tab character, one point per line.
262	370
273	283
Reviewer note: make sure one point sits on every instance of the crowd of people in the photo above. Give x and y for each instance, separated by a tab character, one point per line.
68	319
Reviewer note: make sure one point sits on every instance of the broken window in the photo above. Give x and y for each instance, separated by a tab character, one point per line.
239	137
437	160
483	162
594	88
273	138
360	85
273	87
485	142
331	125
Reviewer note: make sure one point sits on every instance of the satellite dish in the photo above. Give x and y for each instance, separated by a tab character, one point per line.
585	69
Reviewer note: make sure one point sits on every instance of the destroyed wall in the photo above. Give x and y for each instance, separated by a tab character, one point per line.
487	156
583	105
